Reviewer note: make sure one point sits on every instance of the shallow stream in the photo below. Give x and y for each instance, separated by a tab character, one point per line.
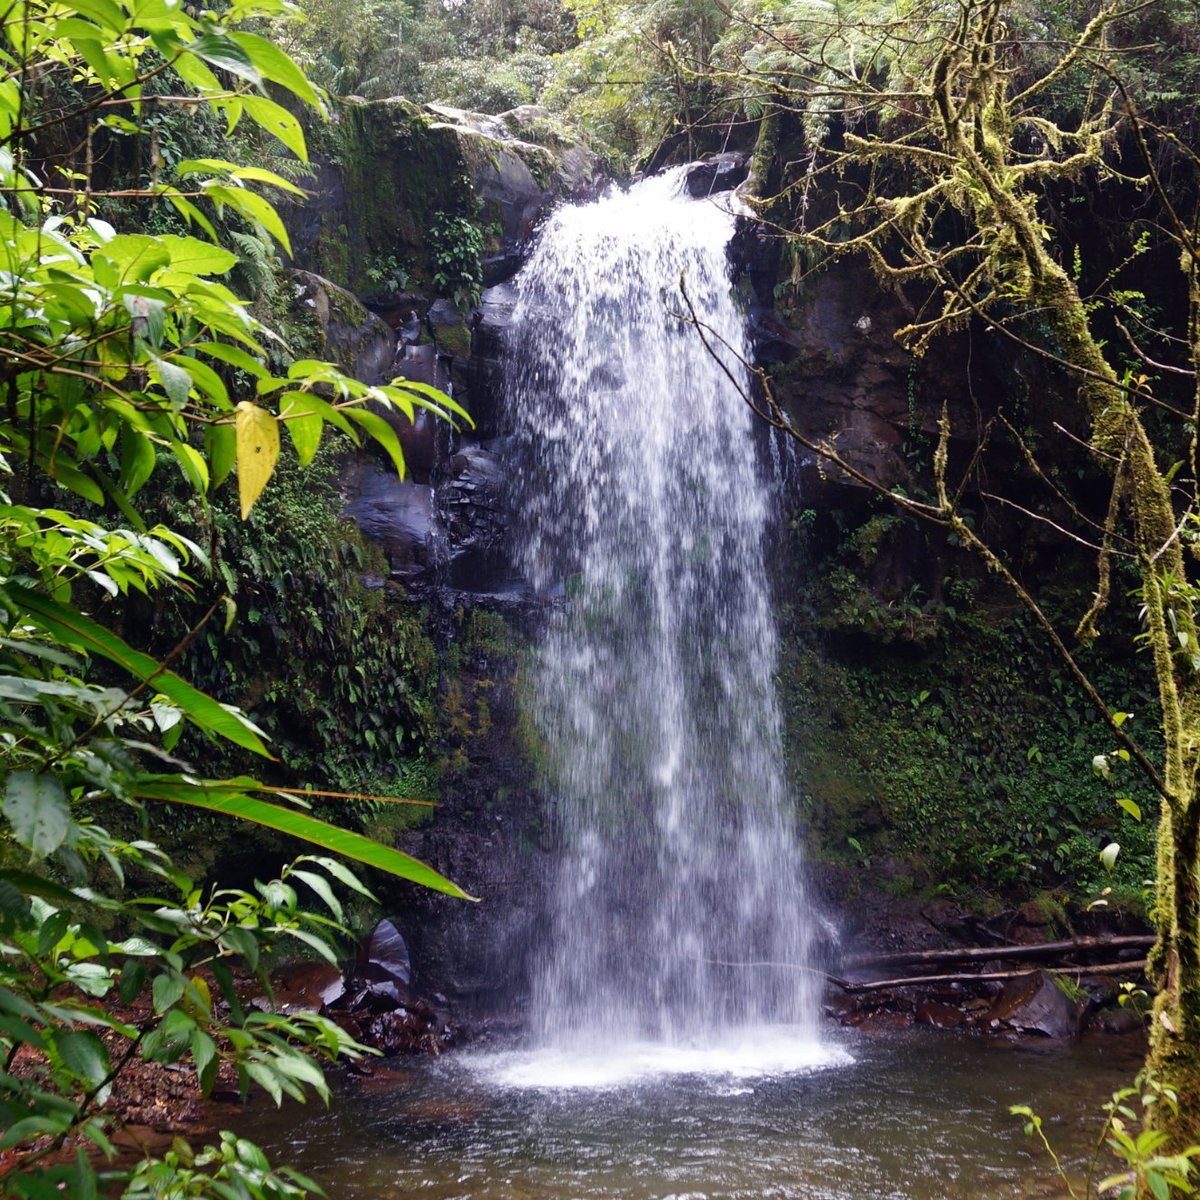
905	1115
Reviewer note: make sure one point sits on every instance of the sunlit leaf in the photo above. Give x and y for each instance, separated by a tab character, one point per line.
257	452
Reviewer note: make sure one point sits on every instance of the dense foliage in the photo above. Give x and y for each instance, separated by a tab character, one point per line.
123	351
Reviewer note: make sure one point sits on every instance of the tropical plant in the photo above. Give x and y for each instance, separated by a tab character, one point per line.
121	351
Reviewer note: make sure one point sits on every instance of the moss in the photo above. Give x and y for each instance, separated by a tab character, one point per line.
397	170
455	341
484	650
960	760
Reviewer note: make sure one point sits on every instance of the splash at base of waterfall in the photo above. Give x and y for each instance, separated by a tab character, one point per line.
736	1055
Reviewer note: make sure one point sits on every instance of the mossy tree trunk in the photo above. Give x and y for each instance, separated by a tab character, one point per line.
966	162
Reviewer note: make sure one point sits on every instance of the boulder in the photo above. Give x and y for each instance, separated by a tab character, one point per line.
471	508
397	514
519	163
1036	1004
720	173
940	1016
387	171
352	336
483	379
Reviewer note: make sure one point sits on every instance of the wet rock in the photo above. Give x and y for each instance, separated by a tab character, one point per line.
385	956
406	1031
397	514
1121	1021
940	1016
519	163
484	377
720	173
472	510
353	337
840	1006
307	987
1036	1004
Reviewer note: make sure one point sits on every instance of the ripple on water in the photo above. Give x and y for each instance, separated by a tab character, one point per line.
914	1117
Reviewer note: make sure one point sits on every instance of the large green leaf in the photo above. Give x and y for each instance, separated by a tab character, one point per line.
83	1054
75	629
229	796
200	258
36	808
272	63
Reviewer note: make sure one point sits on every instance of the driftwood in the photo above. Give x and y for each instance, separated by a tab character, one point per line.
877	985
1041	950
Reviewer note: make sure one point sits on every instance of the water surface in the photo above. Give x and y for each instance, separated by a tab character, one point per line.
906	1116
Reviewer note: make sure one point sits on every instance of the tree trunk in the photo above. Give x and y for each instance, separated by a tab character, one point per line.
1174	1057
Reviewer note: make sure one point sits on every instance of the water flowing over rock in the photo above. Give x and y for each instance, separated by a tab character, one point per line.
641	506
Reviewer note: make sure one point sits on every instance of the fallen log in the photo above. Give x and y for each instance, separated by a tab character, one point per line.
1040	950
877	985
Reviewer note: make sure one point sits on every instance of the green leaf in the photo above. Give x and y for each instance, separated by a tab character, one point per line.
37	809
276	66
167	990
319	944
83	1054
133	978
303	423
137	460
255	208
220	440
229	797
276	120
29	1128
266	1079
135	256
176	382
431	398
204	1054
226	55
234	356
320	885
382	433
193	463
14	907
196	257
35	885
1130	807
104	12
75	629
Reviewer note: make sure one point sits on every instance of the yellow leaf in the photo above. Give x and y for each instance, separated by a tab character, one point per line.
257	451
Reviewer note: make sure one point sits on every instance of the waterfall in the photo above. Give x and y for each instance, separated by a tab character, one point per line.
641	508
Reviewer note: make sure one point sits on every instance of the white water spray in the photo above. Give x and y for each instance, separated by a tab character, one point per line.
642	506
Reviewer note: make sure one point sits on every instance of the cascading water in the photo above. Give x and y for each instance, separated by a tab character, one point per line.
641	506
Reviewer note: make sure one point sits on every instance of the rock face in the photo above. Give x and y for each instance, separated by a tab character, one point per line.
520	163
389	173
351	335
720	173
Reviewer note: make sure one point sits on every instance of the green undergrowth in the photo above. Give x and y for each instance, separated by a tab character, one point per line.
960	759
329	656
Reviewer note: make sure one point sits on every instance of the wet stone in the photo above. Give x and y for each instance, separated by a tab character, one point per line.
940	1016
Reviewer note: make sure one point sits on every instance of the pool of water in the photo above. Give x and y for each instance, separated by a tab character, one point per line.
908	1115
